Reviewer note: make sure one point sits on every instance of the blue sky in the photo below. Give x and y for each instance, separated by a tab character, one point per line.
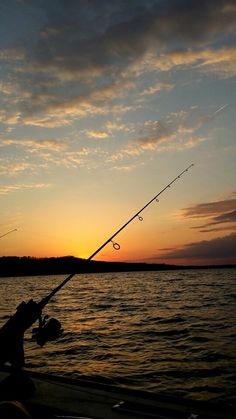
102	104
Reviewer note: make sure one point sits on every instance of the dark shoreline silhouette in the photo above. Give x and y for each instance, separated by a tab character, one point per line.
31	266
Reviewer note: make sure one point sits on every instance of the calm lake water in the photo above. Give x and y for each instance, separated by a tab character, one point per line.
171	331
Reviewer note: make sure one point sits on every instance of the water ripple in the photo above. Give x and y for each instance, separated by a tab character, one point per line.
160	331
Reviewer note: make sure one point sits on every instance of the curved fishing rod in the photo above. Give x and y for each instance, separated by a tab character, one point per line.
12	332
116	246
11	231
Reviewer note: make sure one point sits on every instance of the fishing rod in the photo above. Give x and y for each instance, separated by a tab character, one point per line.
12	332
116	246
11	231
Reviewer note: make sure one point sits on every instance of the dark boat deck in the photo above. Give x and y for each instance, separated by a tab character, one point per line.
60	396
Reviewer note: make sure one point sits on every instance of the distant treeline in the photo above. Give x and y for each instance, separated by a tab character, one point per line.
30	266
23	266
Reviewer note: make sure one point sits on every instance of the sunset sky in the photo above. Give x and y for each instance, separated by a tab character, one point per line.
102	104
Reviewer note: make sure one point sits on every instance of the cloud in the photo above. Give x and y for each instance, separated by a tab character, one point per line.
58	71
157	87
9	118
128	168
178	131
80	158
219	61
12	54
72	46
34	155
213	213
229	217
218	250
14	169
217	216
5	189
30	155
113	126
205	229
62	110
35	145
96	134
52	120
207	209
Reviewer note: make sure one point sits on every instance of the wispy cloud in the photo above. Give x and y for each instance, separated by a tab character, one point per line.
221	61
97	134
217	251
213	214
157	87
34	145
207	209
14	169
5	189
178	131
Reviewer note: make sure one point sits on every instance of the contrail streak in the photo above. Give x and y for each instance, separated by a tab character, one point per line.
220	109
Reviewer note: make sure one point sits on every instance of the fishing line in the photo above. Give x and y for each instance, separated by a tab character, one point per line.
115	245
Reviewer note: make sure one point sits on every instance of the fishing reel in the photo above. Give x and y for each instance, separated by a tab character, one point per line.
49	329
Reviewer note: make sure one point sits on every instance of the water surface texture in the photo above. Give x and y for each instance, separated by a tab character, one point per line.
171	331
